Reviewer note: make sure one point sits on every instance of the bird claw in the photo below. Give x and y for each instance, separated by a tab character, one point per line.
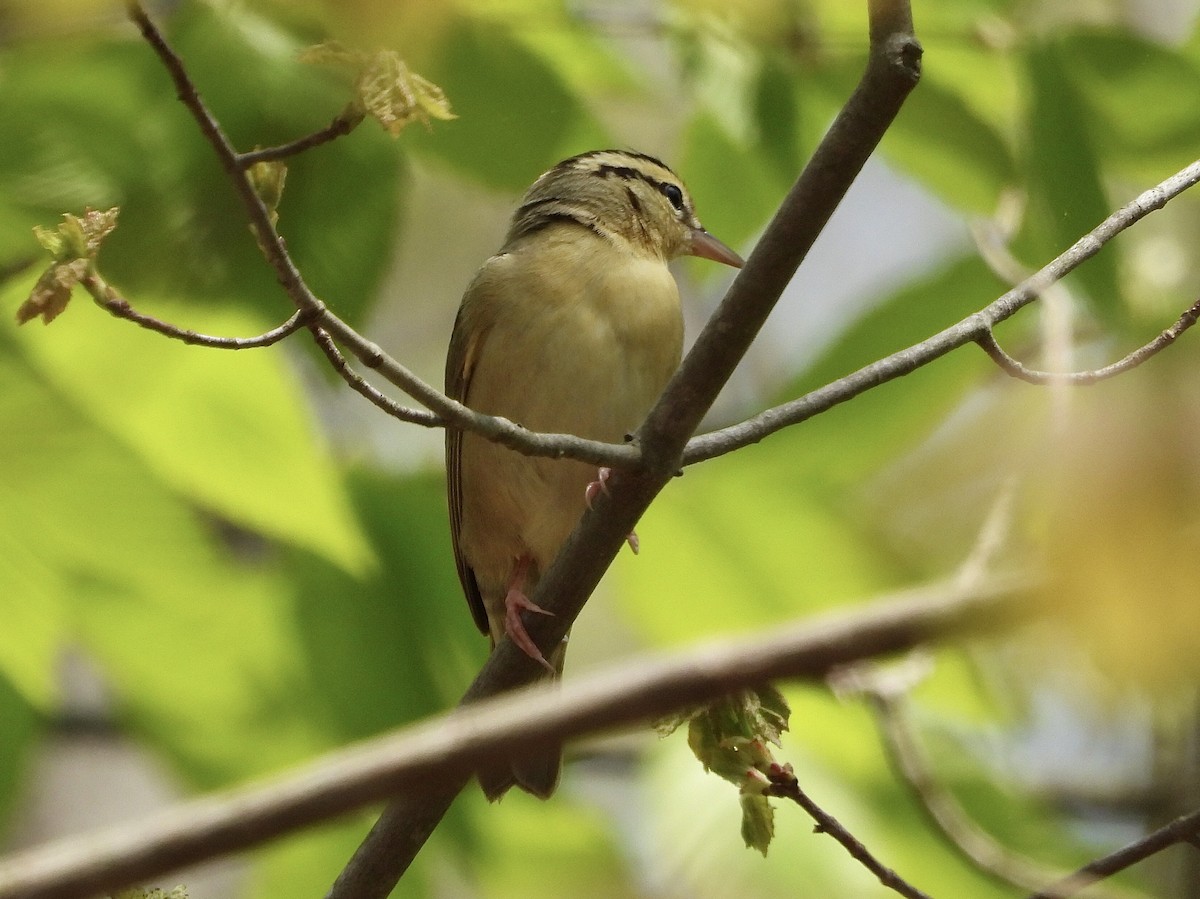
598	486
515	603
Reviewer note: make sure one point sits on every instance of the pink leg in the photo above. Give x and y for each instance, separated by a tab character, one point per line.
598	486
515	602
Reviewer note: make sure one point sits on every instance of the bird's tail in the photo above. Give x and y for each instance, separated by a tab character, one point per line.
534	772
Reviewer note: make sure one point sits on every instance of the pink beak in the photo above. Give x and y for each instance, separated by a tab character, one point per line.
706	246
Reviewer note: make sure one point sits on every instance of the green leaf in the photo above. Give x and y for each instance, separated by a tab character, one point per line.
517	117
406	646
733	208
780	119
341	209
20	730
584	59
232	431
99	553
1120	76
727	543
59	479
1067	196
758	822
968	163
93	120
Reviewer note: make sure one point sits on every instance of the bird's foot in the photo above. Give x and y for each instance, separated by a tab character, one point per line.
516	602
598	486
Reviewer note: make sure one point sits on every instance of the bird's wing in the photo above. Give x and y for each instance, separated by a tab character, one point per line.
465	344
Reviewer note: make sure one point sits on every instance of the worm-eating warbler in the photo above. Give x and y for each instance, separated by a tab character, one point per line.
573	327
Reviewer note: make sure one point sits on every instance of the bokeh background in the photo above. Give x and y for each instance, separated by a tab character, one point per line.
214	565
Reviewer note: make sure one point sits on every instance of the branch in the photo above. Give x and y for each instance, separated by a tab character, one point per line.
892	71
645	467
785	785
342	124
359	384
1184	829
317	314
941	808
1018	370
975	328
107	298
444	750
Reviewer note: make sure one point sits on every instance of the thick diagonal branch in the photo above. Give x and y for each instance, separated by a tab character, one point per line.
892	72
443	750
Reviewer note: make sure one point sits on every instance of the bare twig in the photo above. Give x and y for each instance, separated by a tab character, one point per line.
942	809
343	123
992	237
987	341
109	299
368	353
360	385
645	467
975	328
440	752
785	785
1182	830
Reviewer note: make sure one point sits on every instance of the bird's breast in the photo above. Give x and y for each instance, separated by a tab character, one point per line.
604	336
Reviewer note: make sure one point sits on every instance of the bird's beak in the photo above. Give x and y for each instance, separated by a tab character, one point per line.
708	247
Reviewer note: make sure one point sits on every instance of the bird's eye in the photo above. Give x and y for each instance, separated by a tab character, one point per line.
674	195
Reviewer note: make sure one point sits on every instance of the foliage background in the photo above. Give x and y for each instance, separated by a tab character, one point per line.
256	564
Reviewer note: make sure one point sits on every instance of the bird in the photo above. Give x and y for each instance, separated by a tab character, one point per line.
574	326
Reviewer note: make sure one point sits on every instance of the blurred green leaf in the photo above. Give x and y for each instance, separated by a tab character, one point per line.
526	839
62	477
309	861
968	164
400	644
20	729
101	554
1067	196
582	57
726	542
97	123
843	448
517	117
246	454
732	207
1118	74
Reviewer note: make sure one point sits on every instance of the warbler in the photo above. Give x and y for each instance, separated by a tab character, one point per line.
574	326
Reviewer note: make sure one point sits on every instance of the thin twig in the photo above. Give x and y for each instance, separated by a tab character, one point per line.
785	785
108	298
368	353
891	74
987	341
360	385
439	753
972	329
343	123
1182	830
942	809
1057	334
